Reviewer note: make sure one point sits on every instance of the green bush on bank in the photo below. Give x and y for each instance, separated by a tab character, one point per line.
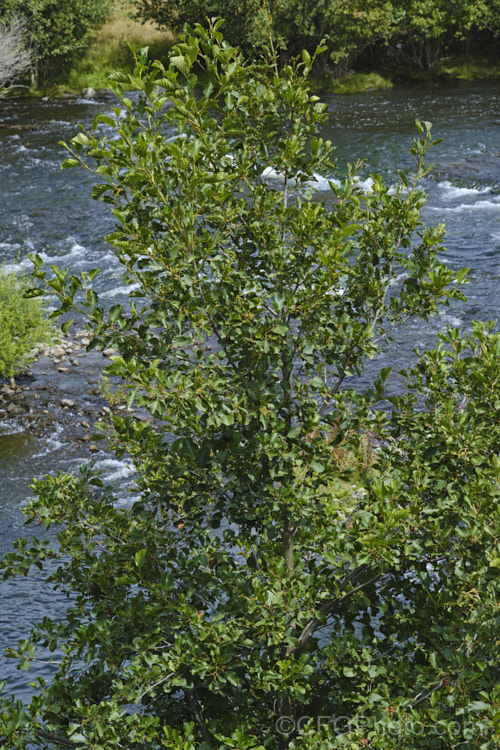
23	324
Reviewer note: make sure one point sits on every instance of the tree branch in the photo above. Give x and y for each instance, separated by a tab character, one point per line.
195	710
57	739
422	698
309	630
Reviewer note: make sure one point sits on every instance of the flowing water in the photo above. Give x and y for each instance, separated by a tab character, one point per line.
49	211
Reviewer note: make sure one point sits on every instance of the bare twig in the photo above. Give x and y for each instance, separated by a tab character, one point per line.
15	54
151	687
420	698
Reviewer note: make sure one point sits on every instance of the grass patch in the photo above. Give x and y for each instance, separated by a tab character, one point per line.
452	68
470	71
23	323
109	50
448	69
353	83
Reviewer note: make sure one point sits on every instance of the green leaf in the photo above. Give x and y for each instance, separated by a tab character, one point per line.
139	558
104	119
70	162
179	61
82	139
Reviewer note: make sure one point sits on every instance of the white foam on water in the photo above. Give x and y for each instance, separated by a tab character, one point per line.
127	501
492	205
31	164
452	192
76	250
399	278
337	292
51	443
11	427
21	267
322	184
52	164
366	185
319	182
82	100
24	220
112	469
451	320
119	290
9	245
270	173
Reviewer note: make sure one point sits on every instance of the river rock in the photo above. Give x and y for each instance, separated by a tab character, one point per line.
57	351
67	402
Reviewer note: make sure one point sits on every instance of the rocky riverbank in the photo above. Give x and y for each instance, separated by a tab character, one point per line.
63	388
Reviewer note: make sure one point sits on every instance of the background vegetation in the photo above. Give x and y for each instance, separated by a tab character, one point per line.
398	38
399	34
56	30
23	324
109	48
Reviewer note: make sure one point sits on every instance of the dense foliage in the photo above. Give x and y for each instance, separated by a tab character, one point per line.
398	32
240	601
55	29
23	324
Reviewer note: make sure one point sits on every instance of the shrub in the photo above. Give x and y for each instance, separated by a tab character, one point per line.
22	323
239	602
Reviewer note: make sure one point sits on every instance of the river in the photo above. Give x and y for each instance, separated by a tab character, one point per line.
49	211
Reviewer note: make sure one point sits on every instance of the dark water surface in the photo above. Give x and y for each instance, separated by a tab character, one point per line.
49	211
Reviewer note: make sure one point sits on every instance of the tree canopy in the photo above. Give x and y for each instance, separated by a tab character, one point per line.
399	32
253	595
55	29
